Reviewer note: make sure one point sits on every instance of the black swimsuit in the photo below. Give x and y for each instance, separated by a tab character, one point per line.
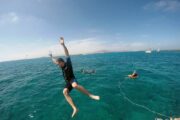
68	74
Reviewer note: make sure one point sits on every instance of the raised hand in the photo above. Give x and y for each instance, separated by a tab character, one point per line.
61	40
63	44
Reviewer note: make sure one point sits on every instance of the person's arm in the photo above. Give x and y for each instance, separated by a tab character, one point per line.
134	72
65	48
53	59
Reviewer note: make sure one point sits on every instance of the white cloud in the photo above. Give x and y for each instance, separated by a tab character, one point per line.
164	5
83	46
93	45
11	17
15	18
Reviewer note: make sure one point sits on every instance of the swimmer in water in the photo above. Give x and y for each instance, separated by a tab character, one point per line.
88	71
70	79
134	75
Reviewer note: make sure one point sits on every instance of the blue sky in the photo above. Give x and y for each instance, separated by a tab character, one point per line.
33	27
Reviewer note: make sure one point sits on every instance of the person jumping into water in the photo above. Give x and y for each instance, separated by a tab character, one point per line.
70	79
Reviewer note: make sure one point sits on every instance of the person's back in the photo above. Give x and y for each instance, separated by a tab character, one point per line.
67	70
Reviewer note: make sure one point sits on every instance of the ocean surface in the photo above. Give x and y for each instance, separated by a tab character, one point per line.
32	89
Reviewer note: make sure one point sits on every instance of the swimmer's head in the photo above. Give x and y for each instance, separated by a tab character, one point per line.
60	62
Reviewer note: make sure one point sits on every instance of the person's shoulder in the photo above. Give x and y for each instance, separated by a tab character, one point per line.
68	58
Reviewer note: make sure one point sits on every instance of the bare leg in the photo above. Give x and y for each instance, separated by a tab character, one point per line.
83	90
70	101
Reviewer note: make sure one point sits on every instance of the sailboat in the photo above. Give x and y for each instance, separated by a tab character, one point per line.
158	50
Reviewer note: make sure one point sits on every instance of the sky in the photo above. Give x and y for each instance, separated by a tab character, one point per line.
31	28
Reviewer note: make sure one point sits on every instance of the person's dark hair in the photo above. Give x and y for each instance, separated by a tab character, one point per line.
60	60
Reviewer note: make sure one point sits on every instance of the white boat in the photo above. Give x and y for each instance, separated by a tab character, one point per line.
148	51
158	50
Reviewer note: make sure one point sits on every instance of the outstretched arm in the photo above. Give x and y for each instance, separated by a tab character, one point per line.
65	48
53	59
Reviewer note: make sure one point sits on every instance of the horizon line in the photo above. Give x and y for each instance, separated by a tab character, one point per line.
98	52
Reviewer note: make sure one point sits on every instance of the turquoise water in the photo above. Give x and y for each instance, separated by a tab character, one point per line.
32	89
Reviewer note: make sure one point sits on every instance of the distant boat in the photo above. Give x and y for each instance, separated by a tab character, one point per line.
158	50
148	51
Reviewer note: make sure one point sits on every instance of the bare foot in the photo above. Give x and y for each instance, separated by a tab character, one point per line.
75	110
94	97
